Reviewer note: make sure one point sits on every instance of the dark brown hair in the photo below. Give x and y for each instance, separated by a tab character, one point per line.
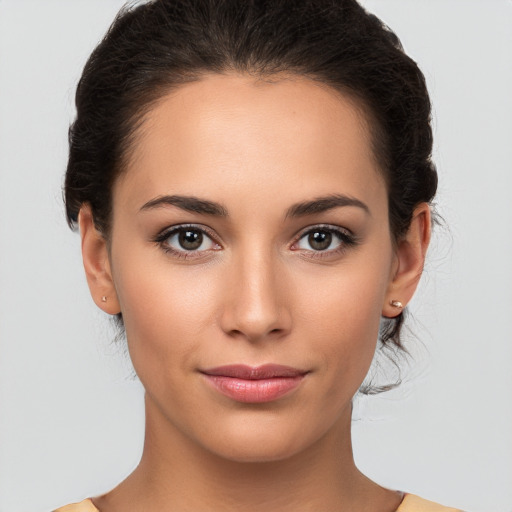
151	49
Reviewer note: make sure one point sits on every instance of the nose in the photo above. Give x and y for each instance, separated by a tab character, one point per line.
256	305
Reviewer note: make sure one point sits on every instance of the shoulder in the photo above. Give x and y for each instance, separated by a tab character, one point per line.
83	506
412	503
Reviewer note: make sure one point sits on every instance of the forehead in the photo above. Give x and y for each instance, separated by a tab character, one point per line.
234	133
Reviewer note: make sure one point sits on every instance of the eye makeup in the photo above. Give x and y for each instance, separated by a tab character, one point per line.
322	234
192	241
186	235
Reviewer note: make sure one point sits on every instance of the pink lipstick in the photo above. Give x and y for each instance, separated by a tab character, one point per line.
254	384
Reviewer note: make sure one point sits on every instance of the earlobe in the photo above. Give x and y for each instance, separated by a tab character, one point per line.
410	259
97	264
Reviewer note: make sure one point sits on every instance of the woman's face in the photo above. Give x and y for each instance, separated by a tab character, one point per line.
251	228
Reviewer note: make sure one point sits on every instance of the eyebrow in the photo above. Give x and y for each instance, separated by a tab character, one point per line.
322	204
189	204
206	207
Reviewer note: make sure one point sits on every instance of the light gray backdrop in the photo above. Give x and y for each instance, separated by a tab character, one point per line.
70	416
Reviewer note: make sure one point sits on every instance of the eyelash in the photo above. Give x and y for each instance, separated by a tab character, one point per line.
164	235
345	237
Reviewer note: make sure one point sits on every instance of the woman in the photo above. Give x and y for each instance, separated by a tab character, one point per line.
252	182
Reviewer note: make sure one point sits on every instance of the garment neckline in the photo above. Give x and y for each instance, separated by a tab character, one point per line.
402	502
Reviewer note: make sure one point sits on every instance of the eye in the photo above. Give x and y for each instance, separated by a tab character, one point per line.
183	241
319	240
189	240
325	239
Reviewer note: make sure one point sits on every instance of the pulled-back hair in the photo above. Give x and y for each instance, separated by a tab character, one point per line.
153	48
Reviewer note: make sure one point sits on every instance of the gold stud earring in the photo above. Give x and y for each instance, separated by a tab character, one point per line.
396	304
104	298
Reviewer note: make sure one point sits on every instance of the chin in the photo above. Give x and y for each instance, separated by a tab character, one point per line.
261	441
260	452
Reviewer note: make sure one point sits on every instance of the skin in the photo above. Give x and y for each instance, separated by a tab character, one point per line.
257	291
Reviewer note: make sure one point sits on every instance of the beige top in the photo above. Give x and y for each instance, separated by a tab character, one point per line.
410	503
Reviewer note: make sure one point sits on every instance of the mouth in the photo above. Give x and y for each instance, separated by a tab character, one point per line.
249	384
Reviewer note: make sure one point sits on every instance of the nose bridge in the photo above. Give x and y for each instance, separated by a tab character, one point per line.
258	306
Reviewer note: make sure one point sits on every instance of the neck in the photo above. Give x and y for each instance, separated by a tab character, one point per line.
177	474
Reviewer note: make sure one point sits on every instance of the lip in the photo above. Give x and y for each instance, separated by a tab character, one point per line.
250	384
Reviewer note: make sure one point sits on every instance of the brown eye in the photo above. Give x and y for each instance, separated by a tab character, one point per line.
186	239
325	240
320	240
190	240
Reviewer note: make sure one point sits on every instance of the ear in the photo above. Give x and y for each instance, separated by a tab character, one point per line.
97	264
409	262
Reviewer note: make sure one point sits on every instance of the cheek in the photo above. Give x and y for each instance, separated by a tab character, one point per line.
342	314
164	310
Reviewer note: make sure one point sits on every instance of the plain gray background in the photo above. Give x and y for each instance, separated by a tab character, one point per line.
71	422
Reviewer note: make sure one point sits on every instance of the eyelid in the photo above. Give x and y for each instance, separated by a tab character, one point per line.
166	233
346	237
343	232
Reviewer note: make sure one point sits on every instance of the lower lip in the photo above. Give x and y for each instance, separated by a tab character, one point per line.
254	391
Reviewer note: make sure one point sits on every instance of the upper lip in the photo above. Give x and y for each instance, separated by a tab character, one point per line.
266	371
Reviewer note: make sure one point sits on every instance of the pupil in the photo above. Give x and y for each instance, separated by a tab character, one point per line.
320	240
190	239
